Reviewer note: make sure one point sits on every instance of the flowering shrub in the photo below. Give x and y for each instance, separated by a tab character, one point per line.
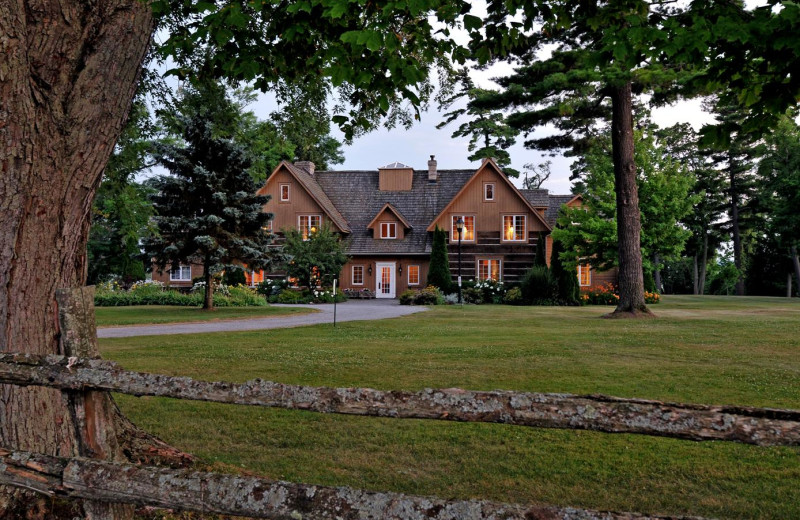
109	286
607	294
430	295
327	296
513	296
154	293
491	290
219	288
270	287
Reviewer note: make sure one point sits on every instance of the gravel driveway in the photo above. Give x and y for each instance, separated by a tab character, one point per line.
351	310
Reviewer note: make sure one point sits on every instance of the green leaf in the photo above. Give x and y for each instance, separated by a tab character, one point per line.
472	23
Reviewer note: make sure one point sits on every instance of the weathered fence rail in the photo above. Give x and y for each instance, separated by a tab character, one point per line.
760	426
255	497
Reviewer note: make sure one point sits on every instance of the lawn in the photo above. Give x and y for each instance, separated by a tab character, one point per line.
153	314
712	350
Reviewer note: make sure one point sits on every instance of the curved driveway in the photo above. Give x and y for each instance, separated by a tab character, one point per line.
352	310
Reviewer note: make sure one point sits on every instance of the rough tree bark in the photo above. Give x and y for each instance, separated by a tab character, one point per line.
629	226
67	75
695	276
796	265
208	298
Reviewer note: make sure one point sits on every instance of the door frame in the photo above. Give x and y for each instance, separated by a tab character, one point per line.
392	293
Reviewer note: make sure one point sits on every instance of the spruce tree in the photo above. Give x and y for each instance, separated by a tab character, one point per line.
207	210
439	271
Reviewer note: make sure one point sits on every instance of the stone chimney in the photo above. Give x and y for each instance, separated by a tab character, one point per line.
432	174
306	166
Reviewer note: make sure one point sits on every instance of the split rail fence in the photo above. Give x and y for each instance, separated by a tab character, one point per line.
100	481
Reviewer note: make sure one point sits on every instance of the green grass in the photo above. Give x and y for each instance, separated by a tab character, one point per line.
704	350
154	314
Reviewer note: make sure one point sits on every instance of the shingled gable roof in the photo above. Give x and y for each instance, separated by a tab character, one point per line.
556	202
357	196
503	176
316	192
539	198
389	207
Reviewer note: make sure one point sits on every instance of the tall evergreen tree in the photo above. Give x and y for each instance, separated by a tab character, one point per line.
780	191
602	54
488	132
207	210
439	270
736	160
682	143
541	250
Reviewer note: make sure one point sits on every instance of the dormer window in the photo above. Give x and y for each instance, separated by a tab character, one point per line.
388	230
285	192
488	192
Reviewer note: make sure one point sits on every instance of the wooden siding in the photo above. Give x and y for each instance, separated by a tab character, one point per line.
299	203
516	257
370	280
395	179
489	214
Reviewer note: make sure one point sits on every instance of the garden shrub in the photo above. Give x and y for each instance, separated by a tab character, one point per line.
243	296
472	295
513	296
270	287
430	295
407	297
492	290
326	296
292	296
607	294
538	287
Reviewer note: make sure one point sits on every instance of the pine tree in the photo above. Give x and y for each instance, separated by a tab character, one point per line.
207	210
439	271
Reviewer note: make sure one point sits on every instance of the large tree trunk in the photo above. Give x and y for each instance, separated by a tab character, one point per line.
67	75
704	264
657	272
735	231
695	276
208	299
796	264
631	282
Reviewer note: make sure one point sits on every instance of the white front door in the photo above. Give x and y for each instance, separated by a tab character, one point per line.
385	280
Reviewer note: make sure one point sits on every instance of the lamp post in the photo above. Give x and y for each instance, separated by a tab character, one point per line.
460	229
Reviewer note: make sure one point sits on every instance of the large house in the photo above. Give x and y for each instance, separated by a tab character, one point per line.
388	217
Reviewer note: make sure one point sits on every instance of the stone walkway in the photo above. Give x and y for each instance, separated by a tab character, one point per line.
352	310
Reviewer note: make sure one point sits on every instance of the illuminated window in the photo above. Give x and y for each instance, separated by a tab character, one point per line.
413	275
253	277
358	275
285	192
182	273
468	233
307	225
584	275
488	269
514	228
488	191
388	230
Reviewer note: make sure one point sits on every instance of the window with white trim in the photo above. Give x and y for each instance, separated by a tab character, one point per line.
388	230
285	192
488	191
585	275
182	273
489	269
308	224
413	275
468	233
514	228
358	275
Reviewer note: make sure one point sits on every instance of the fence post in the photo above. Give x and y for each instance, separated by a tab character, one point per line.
92	411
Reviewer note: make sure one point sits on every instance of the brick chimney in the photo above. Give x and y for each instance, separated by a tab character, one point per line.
306	166
432	174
